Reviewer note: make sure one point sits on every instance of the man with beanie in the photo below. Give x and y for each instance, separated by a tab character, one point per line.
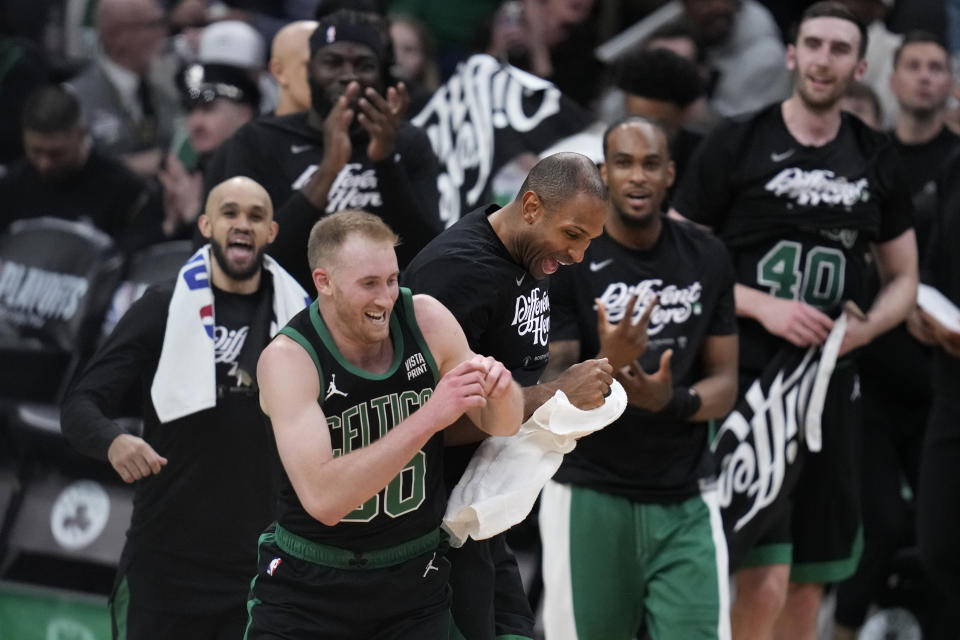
350	150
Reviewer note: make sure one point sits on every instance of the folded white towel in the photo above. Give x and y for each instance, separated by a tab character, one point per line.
186	379
506	474
813	419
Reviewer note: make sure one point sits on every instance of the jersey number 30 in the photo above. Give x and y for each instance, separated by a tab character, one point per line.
820	284
404	494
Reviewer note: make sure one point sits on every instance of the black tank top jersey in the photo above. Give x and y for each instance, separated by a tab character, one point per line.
360	407
642	456
798	220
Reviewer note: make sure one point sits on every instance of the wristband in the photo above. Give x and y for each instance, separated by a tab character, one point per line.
685	402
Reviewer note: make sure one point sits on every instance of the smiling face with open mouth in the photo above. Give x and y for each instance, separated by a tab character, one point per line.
637	170
559	235
363	284
239	224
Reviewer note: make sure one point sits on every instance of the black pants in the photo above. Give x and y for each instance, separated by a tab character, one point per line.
890	454
488	596
938	501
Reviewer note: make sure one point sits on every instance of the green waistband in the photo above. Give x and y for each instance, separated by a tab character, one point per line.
345	559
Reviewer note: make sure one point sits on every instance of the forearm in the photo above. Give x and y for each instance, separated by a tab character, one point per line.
748	301
534	396
502	416
413	202
893	304
339	485
86	428
718	394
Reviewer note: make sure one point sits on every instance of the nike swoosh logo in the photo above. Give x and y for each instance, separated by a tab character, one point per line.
596	266
520	279
300	148
780	157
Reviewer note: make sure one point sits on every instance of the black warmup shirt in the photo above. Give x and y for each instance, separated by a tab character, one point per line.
104	192
193	534
922	164
797	220
283	152
504	312
360	407
643	456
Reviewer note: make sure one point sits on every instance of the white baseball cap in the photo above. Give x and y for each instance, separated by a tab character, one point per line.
234	43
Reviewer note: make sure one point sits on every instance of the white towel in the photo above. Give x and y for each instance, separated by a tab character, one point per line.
813	432
506	474
186	379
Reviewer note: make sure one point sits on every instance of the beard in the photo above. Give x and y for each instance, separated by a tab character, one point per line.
241	275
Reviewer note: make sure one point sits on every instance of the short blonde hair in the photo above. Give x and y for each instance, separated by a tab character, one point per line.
331	232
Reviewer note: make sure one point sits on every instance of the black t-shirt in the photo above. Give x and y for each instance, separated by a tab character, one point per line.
361	407
798	220
504	312
283	152
941	269
643	456
193	534
922	164
104	192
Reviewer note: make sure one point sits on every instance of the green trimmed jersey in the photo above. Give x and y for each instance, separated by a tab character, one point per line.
360	407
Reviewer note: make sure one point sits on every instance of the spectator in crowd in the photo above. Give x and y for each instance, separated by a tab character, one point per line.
553	39
266	17
352	149
25	71
896	370
289	56
130	112
880	53
484	268
205	469
218	99
415	59
63	175
237	44
329	568
662	86
790	157
743	48
922	83
652	466
862	101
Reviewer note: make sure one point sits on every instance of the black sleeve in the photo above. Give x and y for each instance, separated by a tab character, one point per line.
460	286
116	373
705	192
411	200
564	319
723	322
896	214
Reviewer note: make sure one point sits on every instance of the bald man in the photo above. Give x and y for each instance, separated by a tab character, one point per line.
205	466
288	64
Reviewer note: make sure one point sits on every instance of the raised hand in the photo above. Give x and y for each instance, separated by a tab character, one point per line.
625	341
648	391
382	118
336	129
133	458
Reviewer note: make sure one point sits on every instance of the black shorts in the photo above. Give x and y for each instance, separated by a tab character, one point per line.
307	590
818	529
488	597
